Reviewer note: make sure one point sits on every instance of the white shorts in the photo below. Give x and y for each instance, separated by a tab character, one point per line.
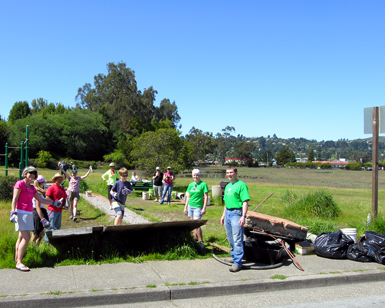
24	221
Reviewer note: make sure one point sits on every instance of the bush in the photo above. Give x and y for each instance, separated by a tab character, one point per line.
353	166
6	187
326	166
83	186
43	158
319	205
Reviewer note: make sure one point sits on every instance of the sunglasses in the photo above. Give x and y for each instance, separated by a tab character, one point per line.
124	175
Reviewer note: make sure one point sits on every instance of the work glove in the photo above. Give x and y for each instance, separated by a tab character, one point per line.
45	223
57	203
13	217
115	195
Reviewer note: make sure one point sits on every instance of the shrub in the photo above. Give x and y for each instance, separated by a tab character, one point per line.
43	158
83	186
319	205
326	166
6	187
289	197
353	166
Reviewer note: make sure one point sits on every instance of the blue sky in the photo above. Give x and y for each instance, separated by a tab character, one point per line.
291	68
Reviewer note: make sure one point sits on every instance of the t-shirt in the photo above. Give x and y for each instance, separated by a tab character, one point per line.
197	192
158	180
74	184
235	195
168	181
123	189
111	176
26	195
55	193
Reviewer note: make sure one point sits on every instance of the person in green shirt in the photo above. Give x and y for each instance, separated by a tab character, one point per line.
236	199
196	202
111	176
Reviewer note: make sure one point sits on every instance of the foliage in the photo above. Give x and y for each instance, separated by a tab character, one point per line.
224	143
285	156
43	158
377	224
4	132
6	187
244	149
118	158
126	109
161	148
20	110
310	156
83	186
353	166
79	133
202	143
319	205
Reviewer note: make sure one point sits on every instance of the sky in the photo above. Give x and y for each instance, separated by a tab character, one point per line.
291	68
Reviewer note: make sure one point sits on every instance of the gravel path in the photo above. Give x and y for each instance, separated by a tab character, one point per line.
103	204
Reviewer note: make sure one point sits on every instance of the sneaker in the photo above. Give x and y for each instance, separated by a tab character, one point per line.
110	207
168	203
71	217
234	268
75	219
156	200
201	245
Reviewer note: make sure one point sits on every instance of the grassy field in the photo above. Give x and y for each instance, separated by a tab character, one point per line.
351	191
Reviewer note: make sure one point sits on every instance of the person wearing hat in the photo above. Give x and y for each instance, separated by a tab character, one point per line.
73	167
40	215
55	192
158	184
196	201
21	212
111	176
74	189
168	178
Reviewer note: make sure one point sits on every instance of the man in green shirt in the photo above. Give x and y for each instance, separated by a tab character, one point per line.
236	199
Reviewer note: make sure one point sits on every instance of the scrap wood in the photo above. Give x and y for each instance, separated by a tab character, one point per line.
263	202
226	249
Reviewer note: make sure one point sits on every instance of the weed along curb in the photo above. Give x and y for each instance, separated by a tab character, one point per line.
118	283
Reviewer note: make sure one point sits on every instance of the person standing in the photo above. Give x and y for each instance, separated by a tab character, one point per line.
158	184
21	212
74	189
236	200
119	192
196	202
111	176
73	167
40	215
55	192
168	178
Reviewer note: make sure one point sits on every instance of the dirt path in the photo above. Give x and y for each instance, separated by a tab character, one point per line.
103	204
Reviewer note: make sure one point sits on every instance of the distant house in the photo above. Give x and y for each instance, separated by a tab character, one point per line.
238	160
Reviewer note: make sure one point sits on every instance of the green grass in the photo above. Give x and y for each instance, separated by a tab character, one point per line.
350	190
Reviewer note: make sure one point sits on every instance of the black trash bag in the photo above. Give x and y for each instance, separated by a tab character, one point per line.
358	252
332	245
379	256
373	240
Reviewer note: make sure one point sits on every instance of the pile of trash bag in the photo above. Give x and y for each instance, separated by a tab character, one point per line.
369	248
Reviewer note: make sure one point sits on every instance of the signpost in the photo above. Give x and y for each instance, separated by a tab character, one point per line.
374	124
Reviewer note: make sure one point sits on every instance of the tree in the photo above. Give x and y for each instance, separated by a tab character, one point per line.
243	150
161	148
224	142
285	156
78	134
128	110
262	142
20	110
310	156
202	143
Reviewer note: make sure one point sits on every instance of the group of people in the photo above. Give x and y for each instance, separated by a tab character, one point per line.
29	214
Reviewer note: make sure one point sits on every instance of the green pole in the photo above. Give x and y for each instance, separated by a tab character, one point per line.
6	159
21	159
26	145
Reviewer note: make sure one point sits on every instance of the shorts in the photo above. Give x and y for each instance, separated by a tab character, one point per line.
158	190
24	222
37	226
72	195
195	212
109	187
118	208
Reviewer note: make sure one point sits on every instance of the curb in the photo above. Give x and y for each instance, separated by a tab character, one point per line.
184	292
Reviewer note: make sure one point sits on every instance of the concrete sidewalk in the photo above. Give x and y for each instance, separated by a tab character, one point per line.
107	284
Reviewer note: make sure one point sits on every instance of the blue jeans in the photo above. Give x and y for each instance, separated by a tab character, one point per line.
235	234
169	189
55	222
